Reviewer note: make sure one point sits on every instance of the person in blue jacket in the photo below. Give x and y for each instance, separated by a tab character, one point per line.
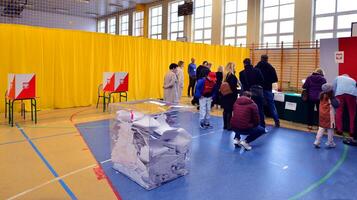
206	90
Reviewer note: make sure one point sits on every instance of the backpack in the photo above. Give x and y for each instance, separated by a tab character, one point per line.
208	87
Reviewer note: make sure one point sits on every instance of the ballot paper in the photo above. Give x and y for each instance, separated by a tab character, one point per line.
290	106
279	96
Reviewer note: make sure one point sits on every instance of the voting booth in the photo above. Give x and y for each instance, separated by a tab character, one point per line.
115	81
149	141
21	86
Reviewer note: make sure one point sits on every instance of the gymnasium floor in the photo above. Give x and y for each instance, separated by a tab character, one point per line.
65	156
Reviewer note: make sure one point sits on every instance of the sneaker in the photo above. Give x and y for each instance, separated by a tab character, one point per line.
277	124
202	125
317	144
245	145
330	144
236	141
208	125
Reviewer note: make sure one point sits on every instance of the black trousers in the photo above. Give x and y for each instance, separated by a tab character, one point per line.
191	86
227	116
311	111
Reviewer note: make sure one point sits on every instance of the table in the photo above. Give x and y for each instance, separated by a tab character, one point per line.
9	109
301	112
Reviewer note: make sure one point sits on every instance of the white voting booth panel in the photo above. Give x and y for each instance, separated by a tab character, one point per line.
21	86
147	141
115	81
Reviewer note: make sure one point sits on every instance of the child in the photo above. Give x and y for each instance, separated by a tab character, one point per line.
328	104
206	90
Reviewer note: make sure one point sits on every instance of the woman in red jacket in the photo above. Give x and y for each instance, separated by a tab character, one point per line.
245	121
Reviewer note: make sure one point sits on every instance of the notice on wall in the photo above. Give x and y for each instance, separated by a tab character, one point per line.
279	96
339	57
290	106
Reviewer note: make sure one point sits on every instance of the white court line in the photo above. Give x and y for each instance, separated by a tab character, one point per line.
54	180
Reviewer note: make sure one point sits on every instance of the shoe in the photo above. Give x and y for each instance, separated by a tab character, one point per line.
236	141
245	145
277	124
330	144
317	144
208	125
202	125
309	128
266	130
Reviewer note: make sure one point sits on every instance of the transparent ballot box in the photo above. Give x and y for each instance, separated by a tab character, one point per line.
148	143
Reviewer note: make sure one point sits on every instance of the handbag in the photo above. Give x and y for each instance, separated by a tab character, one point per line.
304	95
225	89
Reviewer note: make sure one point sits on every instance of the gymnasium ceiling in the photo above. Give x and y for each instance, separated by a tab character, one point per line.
83	8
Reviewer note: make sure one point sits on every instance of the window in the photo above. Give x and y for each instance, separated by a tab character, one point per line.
124	24
202	21
333	18
235	22
155	22
175	22
101	26
277	21
112	25
138	28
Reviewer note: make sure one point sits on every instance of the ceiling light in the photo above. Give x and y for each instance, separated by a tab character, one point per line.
61	10
115	5
84	1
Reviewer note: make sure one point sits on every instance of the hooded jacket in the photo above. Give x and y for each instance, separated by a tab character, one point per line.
269	74
245	114
313	85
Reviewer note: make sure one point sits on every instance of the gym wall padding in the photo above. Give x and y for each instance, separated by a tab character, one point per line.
69	65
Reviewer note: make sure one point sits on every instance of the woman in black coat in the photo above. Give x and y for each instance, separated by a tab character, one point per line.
228	100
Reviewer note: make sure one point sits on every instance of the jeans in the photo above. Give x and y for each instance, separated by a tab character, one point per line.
191	86
269	97
253	133
311	111
350	102
205	109
259	101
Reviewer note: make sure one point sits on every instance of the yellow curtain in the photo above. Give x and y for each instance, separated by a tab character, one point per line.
69	65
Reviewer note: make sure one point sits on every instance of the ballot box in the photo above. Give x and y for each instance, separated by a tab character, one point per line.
149	142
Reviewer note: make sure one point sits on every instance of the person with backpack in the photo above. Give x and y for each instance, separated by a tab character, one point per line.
328	104
206	90
229	92
252	80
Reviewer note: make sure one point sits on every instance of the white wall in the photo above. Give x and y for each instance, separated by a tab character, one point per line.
51	20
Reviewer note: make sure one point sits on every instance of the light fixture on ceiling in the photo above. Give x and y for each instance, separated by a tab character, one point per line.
115	5
61	10
84	1
92	14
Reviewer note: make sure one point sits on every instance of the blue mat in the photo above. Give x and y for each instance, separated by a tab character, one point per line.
282	165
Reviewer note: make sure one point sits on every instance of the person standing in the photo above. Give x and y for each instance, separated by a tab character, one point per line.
180	78
345	89
192	77
171	85
219	76
245	121
313	86
202	70
252	80
328	104
270	77
206	90
228	99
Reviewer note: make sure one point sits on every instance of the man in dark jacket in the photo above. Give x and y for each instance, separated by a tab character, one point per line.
270	77
245	121
202	71
250	78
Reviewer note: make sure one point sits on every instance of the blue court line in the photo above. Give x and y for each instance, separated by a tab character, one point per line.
63	184
38	138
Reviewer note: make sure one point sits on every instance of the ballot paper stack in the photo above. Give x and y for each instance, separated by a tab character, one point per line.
149	148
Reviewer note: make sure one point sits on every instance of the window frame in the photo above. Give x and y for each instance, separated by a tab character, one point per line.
99	26
203	29
236	25
159	34
278	35
121	23
335	31
170	13
111	25
141	21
